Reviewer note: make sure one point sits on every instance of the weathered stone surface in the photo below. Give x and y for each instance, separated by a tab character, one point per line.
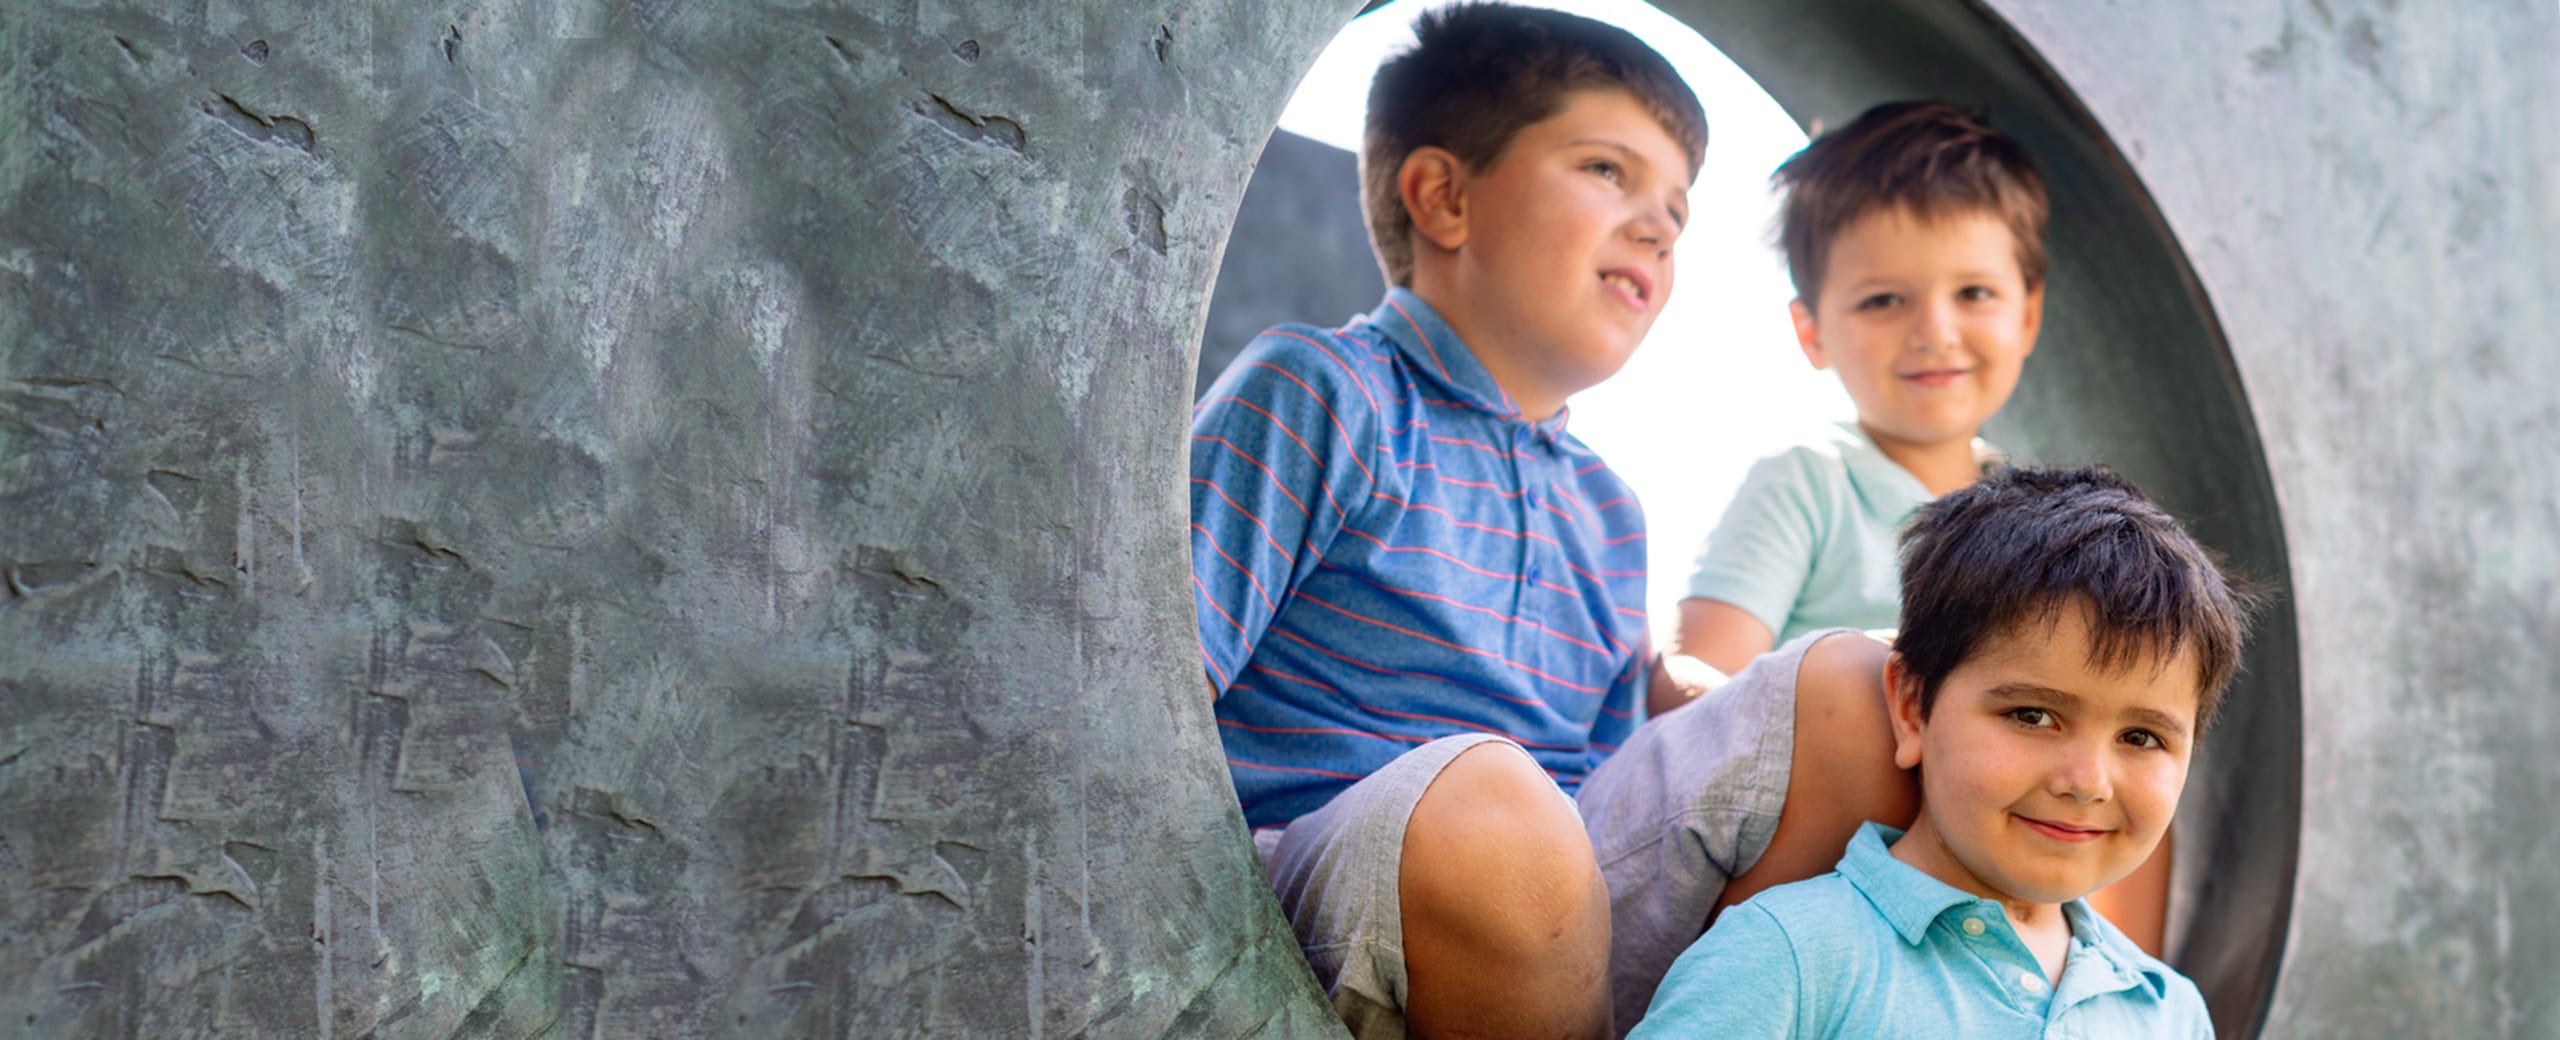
756	428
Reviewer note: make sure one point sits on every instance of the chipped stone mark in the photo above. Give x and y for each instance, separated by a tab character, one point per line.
966	51
283	130
1145	215
452	42
435	339
254	50
1163	43
968	126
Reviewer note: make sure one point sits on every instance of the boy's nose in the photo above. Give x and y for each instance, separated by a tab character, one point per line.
2081	775
1935	330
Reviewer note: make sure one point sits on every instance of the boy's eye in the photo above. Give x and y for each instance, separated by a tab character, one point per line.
2032	718
1605	169
2144	739
1879	301
1975	293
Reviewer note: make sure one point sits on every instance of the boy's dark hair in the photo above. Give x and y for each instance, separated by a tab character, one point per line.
1479	72
2026	543
1929	157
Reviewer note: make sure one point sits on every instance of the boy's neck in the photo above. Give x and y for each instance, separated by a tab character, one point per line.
2041	926
1941	466
1501	359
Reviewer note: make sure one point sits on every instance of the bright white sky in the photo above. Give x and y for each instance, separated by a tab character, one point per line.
1720	382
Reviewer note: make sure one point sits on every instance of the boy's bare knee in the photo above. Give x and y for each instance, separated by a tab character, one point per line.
1492	831
1500	893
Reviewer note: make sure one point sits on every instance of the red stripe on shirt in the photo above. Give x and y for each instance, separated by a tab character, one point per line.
1327	406
1246	571
1257	464
1462	605
1445	644
1285	555
1345	366
1384	670
1312	457
1239	763
1323	731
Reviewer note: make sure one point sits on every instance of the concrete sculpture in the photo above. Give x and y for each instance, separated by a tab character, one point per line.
564	518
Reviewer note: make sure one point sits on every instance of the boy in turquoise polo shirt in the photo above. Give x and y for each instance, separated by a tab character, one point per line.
2062	643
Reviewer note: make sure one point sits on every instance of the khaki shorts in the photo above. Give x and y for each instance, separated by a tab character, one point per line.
1336	871
1691	801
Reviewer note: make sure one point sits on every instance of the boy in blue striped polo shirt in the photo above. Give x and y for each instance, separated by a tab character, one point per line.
1419	597
2063	642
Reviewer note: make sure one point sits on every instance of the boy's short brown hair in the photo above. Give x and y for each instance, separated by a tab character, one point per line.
2026	543
1476	74
1929	157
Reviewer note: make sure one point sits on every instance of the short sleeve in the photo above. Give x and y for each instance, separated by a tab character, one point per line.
1739	979
1284	451
1760	554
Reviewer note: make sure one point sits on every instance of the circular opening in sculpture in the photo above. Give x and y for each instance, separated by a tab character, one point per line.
2132	370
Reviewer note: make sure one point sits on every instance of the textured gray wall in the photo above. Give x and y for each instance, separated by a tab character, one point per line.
764	424
663	519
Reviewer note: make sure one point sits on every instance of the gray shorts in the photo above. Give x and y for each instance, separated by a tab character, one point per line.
1691	800
1336	871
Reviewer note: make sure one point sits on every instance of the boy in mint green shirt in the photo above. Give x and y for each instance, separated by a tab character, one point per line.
1915	237
2062	644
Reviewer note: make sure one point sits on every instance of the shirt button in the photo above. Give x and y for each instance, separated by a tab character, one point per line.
2030	982
1532	495
1973	926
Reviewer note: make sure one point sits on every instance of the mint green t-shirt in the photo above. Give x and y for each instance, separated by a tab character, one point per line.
1809	540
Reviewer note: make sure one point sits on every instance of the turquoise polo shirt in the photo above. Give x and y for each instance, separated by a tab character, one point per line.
1880	949
1810	539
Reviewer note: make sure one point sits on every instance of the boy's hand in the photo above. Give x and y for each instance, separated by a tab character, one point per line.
1678	679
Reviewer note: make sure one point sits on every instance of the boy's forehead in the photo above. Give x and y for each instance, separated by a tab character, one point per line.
1614	115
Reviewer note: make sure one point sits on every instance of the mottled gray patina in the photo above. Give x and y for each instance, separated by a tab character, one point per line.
757	428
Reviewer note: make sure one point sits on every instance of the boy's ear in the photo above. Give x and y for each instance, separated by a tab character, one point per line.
1433	185
1902	702
1807	336
2034	316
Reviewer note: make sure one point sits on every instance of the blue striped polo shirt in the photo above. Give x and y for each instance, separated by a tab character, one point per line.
1384	551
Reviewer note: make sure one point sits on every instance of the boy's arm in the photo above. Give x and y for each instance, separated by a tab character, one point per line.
1740	979
1723	636
1284	451
1753	567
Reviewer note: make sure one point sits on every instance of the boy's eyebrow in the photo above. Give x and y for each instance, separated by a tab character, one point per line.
2048	696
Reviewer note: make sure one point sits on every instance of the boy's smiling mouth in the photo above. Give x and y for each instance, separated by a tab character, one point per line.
2061	832
1633	285
1937	377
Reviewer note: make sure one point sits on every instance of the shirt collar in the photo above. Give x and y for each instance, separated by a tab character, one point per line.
1889	490
1435	350
1911	901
